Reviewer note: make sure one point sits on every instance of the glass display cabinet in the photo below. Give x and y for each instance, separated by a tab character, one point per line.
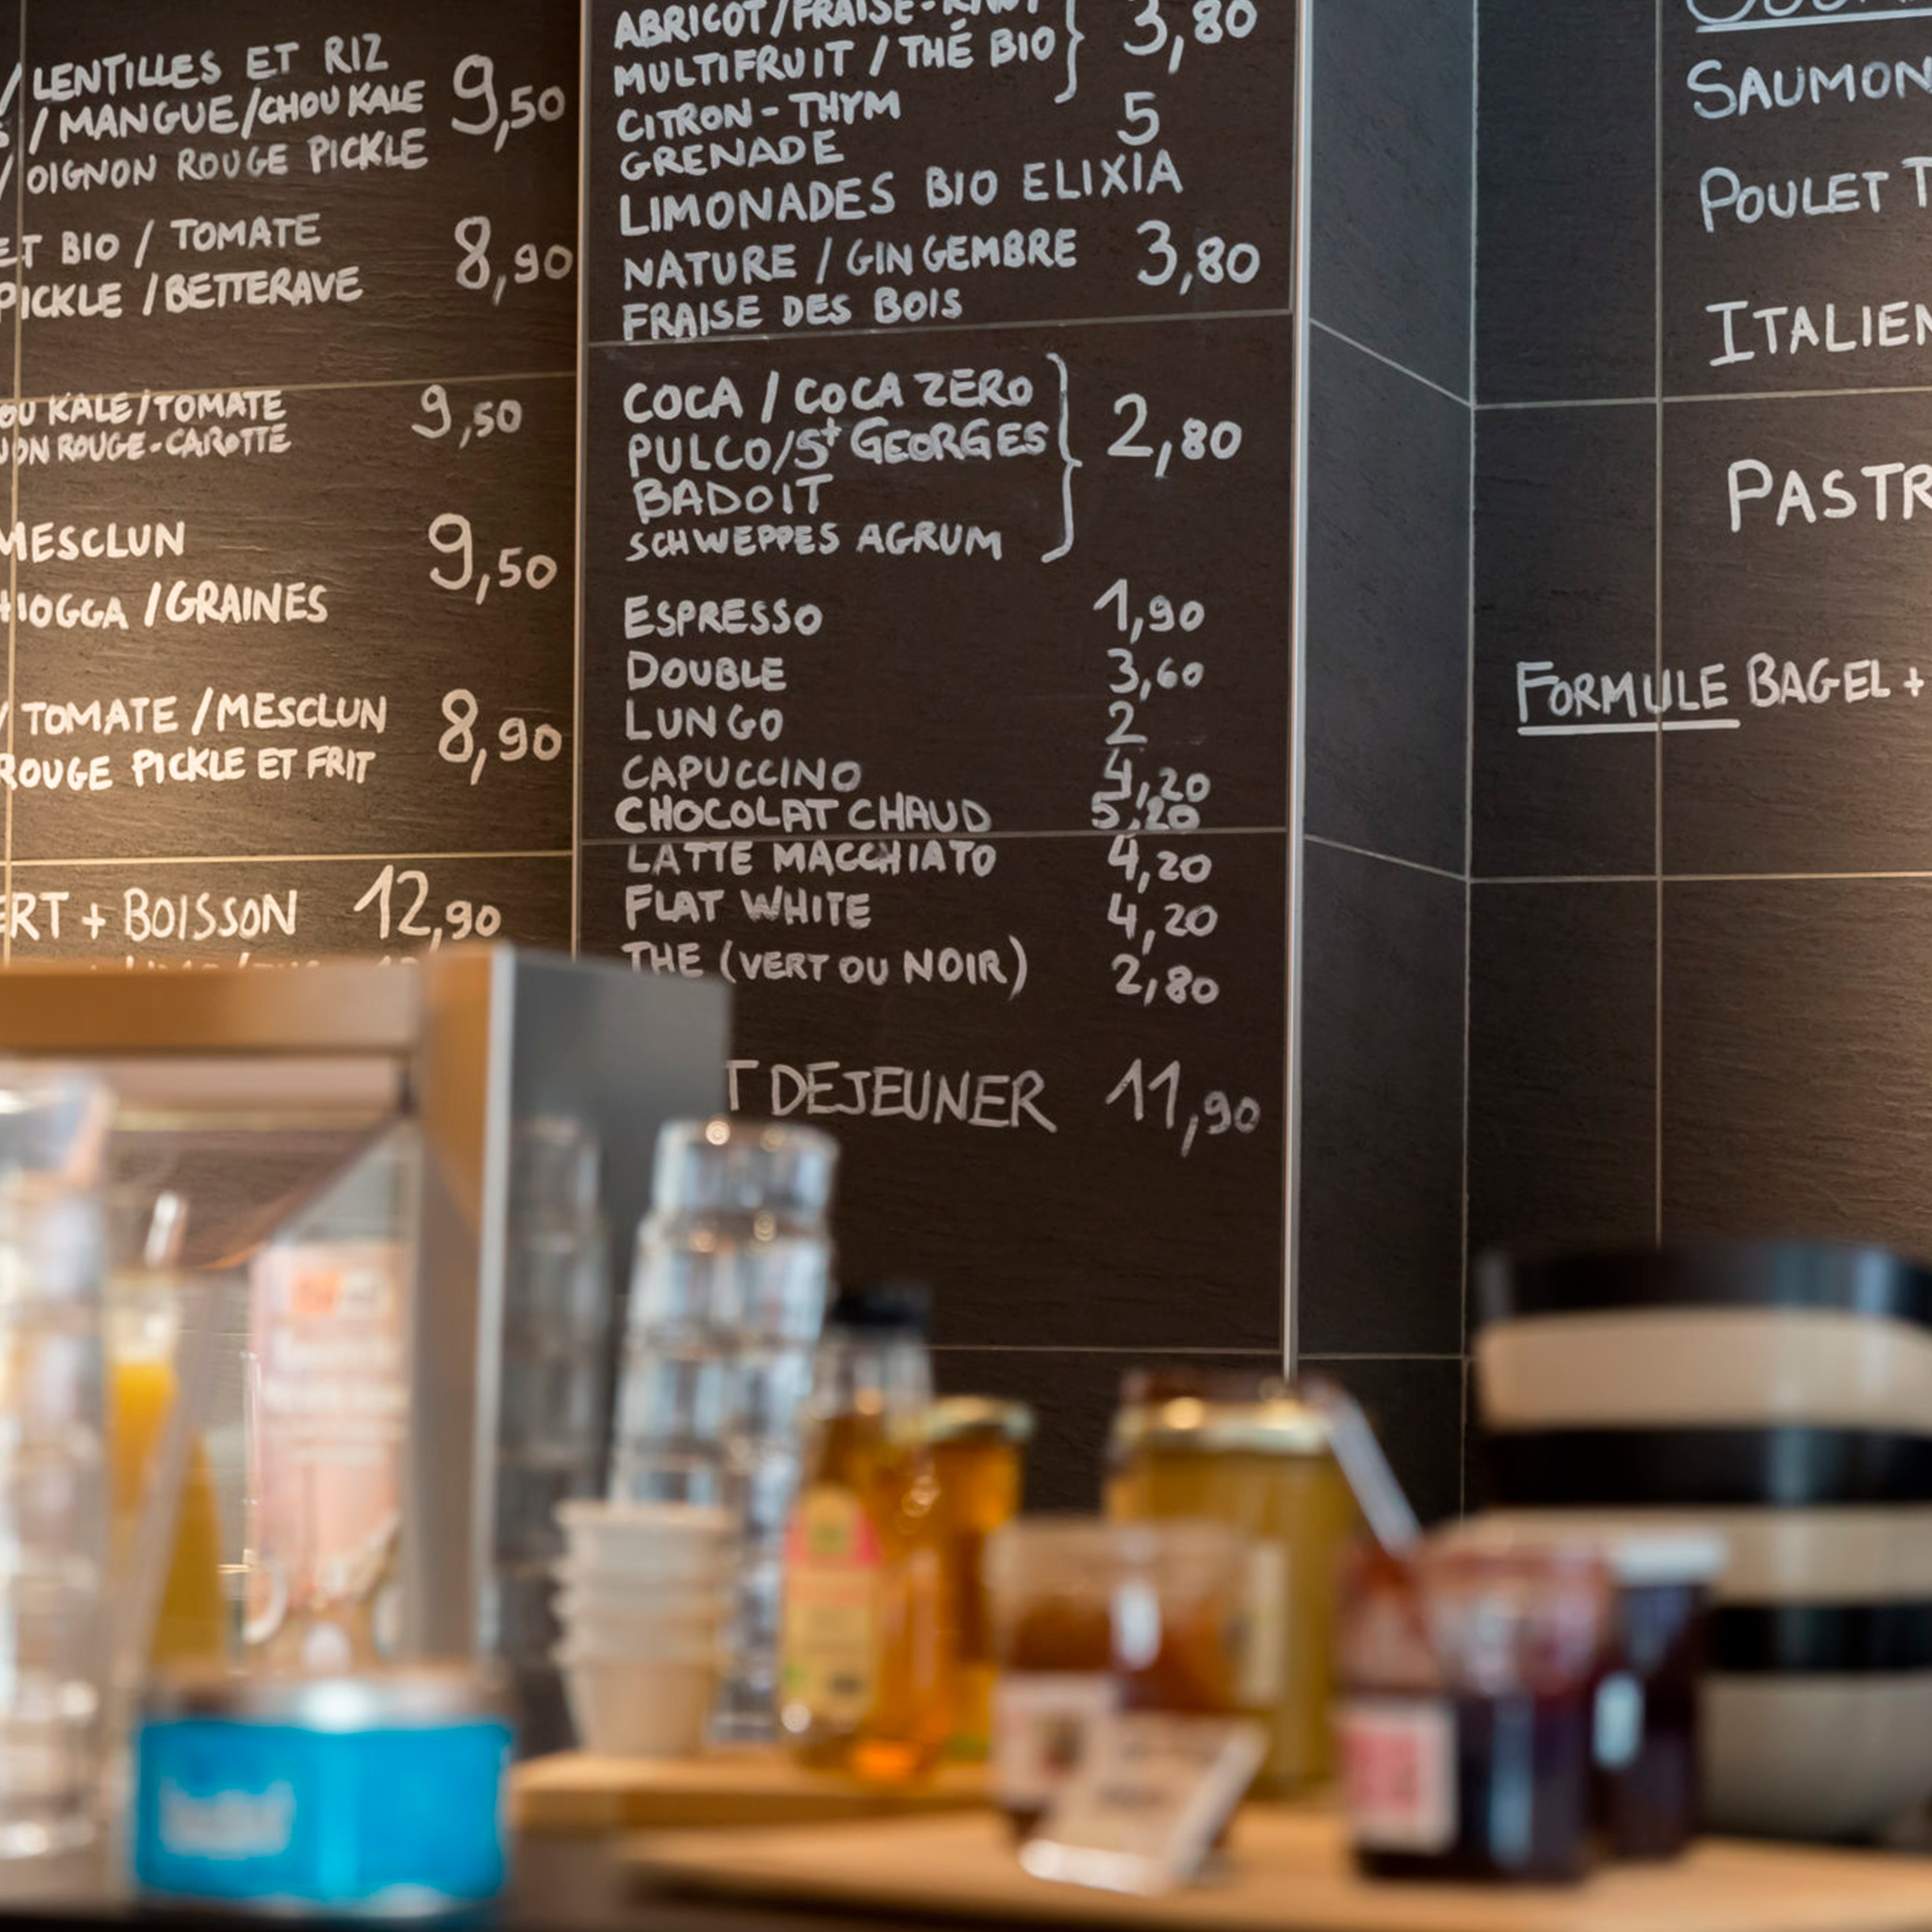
367	1225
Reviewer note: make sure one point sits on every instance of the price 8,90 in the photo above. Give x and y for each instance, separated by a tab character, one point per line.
517	739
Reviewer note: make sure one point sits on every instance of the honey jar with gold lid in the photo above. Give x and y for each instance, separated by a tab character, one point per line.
978	1446
1243	1450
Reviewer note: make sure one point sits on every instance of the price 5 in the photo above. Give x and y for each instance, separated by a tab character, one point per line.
400	900
474	80
451	535
516	738
502	416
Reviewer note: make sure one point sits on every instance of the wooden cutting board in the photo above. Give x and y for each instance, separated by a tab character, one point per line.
1292	1874
574	1794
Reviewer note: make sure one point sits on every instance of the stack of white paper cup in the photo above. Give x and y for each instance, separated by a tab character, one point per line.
645	1590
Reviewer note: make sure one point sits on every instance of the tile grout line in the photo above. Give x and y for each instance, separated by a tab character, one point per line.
1469	750
1294	857
1387	362
725	342
1656	617
1385	858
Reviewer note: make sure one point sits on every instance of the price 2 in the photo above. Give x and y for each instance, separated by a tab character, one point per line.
401	903
452	535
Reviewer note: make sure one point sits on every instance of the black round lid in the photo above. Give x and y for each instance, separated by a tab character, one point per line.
884	1307
1868	1281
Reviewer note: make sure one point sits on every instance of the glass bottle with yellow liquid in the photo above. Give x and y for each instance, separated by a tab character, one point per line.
143	1337
869	1678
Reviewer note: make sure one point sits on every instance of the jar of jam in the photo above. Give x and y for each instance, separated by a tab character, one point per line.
978	1446
1089	1618
1244	1450
1647	1767
1469	1690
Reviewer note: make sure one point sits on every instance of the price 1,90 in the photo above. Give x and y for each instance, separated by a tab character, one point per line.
400	900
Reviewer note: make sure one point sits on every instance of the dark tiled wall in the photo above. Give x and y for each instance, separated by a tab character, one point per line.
1380	1300
1700	956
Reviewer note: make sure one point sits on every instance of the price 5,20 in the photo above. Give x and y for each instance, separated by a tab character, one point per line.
451	535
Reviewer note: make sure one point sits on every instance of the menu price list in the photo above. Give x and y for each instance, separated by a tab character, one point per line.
327	618
257	913
215	194
761	166
288	568
963	582
1071	1027
1797	196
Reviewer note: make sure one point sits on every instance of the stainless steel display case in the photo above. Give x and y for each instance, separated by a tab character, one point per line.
251	1089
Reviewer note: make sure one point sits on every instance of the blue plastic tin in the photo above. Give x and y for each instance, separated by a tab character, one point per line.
380	1795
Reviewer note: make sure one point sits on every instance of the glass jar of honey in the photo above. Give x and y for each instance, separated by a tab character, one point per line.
1089	1618
977	1445
1241	1450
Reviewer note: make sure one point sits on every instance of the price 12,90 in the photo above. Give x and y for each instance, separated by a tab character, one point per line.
400	901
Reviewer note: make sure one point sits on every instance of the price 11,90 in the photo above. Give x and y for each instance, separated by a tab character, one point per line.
1157	1098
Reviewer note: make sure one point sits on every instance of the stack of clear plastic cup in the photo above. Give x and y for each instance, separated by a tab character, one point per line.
728	1291
554	1405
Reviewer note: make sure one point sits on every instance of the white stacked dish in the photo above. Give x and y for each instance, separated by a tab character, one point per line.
643	1592
1780	1394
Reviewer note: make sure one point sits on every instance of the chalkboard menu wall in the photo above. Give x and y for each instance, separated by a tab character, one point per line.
937	481
1703	777
289	423
939	514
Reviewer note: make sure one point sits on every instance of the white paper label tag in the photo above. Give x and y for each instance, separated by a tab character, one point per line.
1617	1730
1143	1809
1399	1773
1041	1720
